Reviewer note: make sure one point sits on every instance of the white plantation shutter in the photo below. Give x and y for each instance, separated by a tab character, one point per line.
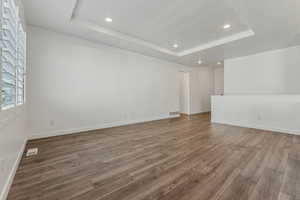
12	39
21	62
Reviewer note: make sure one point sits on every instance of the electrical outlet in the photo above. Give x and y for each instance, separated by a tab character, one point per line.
259	117
2	166
32	152
52	122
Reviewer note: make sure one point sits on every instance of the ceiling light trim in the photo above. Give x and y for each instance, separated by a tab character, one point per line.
108	19
226	26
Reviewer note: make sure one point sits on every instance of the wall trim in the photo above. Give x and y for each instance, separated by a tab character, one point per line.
13	171
201	112
96	127
265	128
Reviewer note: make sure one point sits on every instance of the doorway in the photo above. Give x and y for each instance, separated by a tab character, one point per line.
184	93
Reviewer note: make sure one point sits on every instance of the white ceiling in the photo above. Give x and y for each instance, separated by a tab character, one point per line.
152	27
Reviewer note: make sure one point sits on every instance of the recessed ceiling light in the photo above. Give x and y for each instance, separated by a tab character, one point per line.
199	62
107	19
226	26
175	46
219	63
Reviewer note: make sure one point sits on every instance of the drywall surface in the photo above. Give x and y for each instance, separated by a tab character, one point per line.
76	85
261	91
268	112
12	141
272	72
219	81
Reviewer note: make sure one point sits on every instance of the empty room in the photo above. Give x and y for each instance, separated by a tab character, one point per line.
150	100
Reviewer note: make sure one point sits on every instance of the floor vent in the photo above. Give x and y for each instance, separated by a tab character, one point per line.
174	113
32	152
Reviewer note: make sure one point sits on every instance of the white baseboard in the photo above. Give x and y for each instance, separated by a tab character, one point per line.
9	181
279	130
96	127
201	112
197	113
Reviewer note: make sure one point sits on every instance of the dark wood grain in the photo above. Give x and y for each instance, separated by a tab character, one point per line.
187	158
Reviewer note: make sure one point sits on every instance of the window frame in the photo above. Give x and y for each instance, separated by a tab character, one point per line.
12	27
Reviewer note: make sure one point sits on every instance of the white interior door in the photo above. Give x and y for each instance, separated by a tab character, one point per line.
184	93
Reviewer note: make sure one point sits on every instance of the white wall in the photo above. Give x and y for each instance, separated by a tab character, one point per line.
261	91
77	85
268	112
201	88
12	141
273	72
219	81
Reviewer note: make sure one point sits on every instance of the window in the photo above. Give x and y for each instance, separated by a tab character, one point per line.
12	52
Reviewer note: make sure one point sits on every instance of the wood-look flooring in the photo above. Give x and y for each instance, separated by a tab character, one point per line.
179	159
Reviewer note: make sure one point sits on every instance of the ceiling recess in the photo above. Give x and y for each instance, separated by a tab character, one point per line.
135	29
